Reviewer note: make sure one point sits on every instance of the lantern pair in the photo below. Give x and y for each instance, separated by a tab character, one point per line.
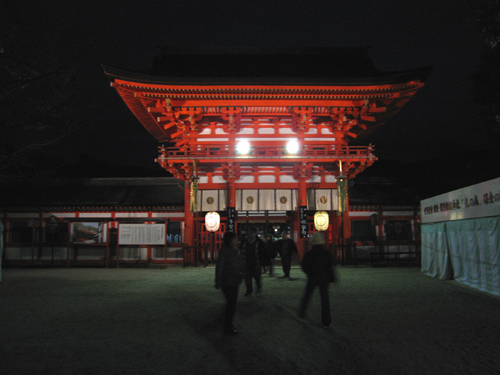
212	221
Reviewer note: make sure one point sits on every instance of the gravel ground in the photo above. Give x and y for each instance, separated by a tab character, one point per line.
169	321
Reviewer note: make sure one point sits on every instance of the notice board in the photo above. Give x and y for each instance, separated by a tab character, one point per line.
141	234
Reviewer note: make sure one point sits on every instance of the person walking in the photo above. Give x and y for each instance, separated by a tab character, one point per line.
255	256
317	263
286	248
271	251
228	277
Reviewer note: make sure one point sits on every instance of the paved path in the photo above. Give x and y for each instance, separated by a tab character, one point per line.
168	321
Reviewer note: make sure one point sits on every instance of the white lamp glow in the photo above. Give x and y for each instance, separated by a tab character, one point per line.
243	147
292	147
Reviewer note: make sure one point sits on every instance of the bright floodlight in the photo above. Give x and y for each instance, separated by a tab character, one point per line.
292	147
243	147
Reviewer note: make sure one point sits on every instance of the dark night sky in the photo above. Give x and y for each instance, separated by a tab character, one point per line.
402	35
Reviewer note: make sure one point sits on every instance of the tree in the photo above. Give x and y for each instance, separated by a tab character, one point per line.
42	63
485	16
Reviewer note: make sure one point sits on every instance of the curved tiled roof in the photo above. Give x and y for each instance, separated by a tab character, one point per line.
285	66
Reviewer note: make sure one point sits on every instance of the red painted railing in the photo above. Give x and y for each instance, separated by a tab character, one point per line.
317	150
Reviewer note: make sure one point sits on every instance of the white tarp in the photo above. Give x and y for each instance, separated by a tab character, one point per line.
465	250
461	236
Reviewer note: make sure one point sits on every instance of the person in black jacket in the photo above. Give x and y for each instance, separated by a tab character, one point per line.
255	257
271	251
286	248
317	263
228	277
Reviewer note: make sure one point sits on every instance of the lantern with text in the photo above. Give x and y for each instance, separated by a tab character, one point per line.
212	221
321	221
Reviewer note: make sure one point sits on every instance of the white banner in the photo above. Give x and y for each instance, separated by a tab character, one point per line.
322	199
284	200
208	200
141	234
247	200
476	201
212	200
267	200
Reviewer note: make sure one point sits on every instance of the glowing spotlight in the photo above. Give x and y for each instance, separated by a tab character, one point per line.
243	148
292	147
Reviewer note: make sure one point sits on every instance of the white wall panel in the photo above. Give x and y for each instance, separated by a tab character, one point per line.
267	179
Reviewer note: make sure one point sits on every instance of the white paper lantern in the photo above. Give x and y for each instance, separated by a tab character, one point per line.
321	220
212	221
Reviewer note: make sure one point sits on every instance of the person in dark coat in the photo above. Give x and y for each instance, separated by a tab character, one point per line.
317	263
286	248
271	251
228	277
255	256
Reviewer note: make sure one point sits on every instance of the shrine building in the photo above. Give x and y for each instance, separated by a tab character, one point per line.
265	137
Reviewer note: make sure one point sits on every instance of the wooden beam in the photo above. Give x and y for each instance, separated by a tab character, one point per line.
181	142
177	134
156	110
377	110
169	125
368	118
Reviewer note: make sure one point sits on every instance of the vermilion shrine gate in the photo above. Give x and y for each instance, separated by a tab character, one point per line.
263	135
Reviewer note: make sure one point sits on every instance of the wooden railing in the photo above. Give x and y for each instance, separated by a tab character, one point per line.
316	150
194	255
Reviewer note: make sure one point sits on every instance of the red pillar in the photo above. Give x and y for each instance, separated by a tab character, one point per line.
347	221
189	239
231	194
302	193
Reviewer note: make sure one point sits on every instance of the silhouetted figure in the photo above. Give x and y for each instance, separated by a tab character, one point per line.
228	277
271	251
255	256
317	263
286	248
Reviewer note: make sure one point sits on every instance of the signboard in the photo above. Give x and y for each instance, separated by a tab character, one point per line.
231	219
88	233
481	200
142	234
303	221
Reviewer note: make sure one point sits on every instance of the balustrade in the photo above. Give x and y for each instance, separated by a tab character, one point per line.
317	150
